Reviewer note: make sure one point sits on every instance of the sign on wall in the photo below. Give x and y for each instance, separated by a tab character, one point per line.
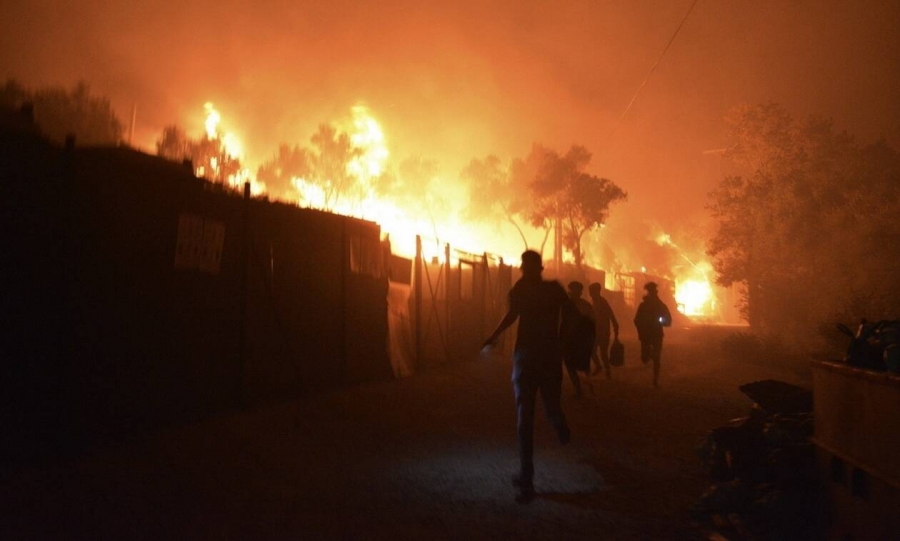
199	243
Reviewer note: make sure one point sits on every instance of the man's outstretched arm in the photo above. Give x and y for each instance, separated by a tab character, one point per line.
504	324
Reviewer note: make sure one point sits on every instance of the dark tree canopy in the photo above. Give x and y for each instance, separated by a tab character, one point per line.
550	191
208	156
806	223
174	144
59	112
571	200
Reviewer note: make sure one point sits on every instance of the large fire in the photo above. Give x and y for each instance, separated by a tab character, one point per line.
367	136
436	221
214	166
693	290
370	161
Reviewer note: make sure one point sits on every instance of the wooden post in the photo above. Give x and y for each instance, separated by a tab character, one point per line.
486	295
447	290
417	283
245	254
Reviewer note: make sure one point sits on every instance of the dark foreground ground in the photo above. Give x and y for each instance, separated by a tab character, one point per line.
427	457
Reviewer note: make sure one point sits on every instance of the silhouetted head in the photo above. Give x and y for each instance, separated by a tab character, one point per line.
651	288
532	264
575	289
595	289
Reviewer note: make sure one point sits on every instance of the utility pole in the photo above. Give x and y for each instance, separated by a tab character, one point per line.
557	246
131	130
417	285
243	296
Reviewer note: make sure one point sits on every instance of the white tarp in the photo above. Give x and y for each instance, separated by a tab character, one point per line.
400	338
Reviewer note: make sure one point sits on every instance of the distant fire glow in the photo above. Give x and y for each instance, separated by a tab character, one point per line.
233	150
229	140
212	121
368	137
693	291
694	296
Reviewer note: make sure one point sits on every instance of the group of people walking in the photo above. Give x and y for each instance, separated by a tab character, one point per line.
599	318
548	325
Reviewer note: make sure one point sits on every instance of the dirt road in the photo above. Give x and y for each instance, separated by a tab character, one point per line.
427	457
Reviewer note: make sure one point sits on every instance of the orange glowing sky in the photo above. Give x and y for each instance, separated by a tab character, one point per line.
452	80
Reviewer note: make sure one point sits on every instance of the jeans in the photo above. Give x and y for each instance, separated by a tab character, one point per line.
602	344
651	349
533	373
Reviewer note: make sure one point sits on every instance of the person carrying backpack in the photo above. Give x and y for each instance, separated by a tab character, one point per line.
578	342
603	317
652	315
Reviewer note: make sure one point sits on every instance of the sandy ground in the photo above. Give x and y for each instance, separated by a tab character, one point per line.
426	457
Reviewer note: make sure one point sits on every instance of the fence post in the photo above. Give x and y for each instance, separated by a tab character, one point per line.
447	299
486	295
245	253
417	283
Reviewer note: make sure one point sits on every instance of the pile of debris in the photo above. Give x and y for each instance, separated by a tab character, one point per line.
763	468
874	346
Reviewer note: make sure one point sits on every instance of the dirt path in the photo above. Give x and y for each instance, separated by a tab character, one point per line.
427	457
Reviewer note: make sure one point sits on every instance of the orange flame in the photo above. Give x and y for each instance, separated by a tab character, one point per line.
693	290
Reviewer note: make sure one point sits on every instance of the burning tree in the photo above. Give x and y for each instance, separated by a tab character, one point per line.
320	172
289	163
498	191
332	151
339	170
214	156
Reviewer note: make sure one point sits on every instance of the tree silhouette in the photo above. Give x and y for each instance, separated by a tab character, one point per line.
13	95
497	191
208	156
60	113
331	152
174	144
291	162
572	201
807	210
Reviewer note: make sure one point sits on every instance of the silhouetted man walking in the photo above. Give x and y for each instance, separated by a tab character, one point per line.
578	346
603	317
652	315
539	305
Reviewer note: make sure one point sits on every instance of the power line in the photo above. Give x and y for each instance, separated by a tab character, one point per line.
647	78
